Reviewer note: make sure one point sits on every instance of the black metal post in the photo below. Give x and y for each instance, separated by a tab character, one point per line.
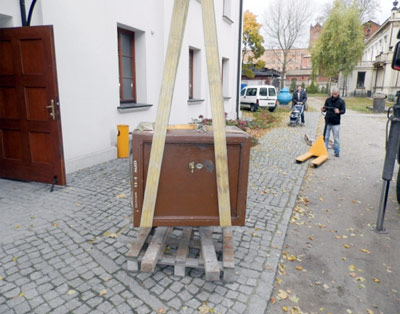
392	148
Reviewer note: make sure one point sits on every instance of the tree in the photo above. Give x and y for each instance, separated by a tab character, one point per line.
284	24
293	84
252	44
341	44
366	8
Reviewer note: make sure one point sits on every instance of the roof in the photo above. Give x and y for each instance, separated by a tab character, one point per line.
265	72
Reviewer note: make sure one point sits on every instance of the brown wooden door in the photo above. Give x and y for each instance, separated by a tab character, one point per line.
30	134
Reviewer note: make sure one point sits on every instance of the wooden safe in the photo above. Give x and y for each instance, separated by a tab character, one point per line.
187	191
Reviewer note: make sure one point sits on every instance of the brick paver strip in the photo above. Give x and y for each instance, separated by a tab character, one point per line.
56	253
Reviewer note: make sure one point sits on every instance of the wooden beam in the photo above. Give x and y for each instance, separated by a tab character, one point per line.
155	249
136	247
177	28
211	265
217	108
182	253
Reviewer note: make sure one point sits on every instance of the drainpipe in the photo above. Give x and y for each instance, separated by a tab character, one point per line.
239	66
23	12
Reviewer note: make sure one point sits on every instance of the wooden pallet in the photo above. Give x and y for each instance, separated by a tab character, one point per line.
185	247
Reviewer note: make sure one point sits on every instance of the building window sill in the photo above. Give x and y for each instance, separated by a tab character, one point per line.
227	19
131	106
194	101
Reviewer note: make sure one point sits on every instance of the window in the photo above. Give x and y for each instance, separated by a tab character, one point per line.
272	91
194	83
263	91
251	92
360	79
225	77
243	91
191	62
126	58
227	10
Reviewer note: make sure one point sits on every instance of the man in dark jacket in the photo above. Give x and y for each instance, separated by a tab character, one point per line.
300	97
334	107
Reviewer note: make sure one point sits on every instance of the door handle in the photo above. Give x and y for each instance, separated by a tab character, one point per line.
52	113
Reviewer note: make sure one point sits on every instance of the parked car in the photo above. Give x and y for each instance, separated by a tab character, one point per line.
258	96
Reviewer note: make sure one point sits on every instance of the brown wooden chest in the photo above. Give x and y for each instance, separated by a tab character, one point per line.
187	192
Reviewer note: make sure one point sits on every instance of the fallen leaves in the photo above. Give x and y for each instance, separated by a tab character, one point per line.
71	292
204	309
102	292
282	294
365	251
376	280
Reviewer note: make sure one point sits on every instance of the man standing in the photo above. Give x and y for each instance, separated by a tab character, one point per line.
300	97
334	107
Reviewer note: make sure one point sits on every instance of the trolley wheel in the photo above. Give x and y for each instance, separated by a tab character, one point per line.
398	187
253	107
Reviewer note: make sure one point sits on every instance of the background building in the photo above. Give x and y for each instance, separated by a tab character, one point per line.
109	60
374	72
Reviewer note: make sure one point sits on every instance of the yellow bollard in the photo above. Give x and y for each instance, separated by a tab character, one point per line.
123	141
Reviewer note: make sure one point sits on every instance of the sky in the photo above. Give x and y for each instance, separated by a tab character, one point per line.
258	7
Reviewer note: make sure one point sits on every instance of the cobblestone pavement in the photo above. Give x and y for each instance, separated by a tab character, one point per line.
64	252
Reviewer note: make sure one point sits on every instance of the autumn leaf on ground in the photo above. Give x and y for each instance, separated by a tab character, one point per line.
285	309
326	286
282	269
71	292
21	294
102	292
299	267
273	300
346	246
362	279
278	281
14	258
282	294
161	311
376	280
352	267
294	299
353	274
1	278
370	311
365	251
17	226
122	195
106	234
55	225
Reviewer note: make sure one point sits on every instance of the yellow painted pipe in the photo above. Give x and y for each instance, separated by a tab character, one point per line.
123	141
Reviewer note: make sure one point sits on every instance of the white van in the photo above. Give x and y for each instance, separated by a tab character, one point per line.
258	96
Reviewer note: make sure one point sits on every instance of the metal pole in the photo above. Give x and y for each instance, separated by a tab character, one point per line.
382	207
392	148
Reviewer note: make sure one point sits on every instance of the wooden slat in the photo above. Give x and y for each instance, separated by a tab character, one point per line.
155	249
208	251
177	28
182	253
136	247
217	108
228	258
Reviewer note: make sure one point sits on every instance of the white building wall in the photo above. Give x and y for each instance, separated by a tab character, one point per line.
85	34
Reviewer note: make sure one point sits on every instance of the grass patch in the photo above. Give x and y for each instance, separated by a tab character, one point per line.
361	104
263	120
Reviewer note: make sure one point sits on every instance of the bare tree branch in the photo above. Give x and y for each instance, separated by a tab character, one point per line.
284	24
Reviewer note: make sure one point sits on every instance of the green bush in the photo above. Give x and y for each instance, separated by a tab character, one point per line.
313	88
